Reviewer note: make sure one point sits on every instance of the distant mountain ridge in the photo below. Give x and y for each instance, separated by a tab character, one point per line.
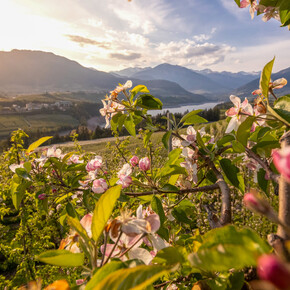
25	71
246	90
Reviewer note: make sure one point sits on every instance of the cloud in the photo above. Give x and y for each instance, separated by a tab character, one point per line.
188	52
84	40
126	56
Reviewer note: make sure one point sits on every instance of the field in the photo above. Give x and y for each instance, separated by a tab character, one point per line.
51	122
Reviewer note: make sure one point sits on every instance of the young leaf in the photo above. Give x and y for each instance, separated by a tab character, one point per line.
149	102
130	125
37	143
189	115
62	258
158	208
231	172
195	119
266	77
166	139
244	130
103	210
103	272
137	278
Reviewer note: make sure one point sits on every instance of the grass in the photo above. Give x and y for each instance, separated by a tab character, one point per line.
51	122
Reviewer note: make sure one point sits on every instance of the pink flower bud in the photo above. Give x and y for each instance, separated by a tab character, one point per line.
270	268
134	161
144	164
256	203
42	196
99	186
281	159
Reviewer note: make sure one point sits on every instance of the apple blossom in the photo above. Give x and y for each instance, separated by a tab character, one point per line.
94	164
236	111
252	3
144	164
281	159
124	180
99	185
53	152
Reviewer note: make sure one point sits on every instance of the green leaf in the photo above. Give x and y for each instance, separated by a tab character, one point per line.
103	272
236	248
70	210
284	11
238	2
195	119
138	89
231	172
225	139
263	183
181	216
238	147
62	258
166	139
37	143
149	102
172	170
115	121
189	115
278	114
76	225
169	256
103	210
282	107
130	125
136	278
266	78
244	130
156	206
16	195
169	187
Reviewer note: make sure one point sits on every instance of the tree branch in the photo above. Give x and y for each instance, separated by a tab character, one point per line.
180	192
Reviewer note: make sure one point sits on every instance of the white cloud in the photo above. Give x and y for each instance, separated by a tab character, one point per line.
188	52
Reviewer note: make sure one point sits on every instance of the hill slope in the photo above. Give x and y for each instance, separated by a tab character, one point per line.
188	79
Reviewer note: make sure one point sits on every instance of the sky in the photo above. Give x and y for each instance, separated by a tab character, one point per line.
111	35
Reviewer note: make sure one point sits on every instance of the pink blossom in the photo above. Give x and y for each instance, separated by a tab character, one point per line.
94	164
144	164
42	196
53	152
134	161
253	5
281	159
86	223
271	269
99	185
124	180
126	170
236	113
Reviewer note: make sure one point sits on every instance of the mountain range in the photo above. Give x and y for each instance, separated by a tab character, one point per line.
25	71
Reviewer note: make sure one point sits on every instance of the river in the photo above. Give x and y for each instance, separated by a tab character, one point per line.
183	109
